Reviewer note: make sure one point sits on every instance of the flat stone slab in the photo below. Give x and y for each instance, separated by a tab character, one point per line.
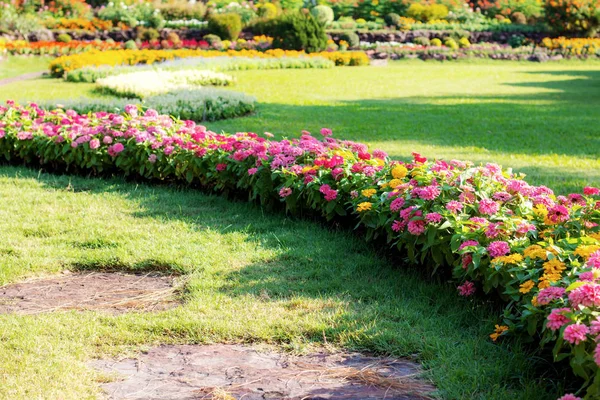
112	292
222	371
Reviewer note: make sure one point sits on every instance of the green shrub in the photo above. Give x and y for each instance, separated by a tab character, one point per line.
213	40
130	45
464	43
573	16
20	24
427	13
323	15
436	42
179	10
422	41
196	104
147	34
297	31
450	43
351	37
267	10
225	26
64	38
392	19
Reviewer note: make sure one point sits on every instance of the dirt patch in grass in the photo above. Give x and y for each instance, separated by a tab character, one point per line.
112	292
245	372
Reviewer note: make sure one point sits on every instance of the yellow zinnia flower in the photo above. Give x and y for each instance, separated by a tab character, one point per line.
399	171
364	206
368	192
500	329
526	287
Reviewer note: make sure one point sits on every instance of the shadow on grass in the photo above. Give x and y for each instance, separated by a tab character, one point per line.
369	303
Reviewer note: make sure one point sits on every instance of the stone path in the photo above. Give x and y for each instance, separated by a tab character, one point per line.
233	372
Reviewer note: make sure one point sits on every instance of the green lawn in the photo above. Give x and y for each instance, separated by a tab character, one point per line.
14	66
253	276
261	276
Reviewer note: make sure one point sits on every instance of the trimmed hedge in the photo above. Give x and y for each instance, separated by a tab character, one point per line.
495	232
197	105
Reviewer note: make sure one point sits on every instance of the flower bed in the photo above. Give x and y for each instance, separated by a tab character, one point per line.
64	64
206	104
573	46
397	51
494	231
43	48
143	84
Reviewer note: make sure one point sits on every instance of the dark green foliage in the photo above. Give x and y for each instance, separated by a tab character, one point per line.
225	26
392	19
516	41
147	34
297	31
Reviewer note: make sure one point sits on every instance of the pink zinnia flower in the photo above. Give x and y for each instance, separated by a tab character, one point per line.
94	144
467	260
594	260
597	354
575	333
595	327
326	132
131	110
380	154
498	249
221	167
467	244
115	149
433	218
252	171
466	289
587	295
454	206
489	207
107	140
558	214
550	293
397	204
152	158
591	191
416	227
570	396
556	319
397	226
285	192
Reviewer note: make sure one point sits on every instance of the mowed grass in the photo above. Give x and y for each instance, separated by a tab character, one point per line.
252	276
539	119
15	66
258	276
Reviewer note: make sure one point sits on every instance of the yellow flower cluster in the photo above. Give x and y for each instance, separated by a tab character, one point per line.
364	206
399	171
586	251
535	252
574	46
510	259
552	272
368	192
526	287
64	64
500	329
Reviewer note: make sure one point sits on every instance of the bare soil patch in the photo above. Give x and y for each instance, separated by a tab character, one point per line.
229	372
112	292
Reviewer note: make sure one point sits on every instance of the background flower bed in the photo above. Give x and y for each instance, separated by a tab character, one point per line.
538	251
